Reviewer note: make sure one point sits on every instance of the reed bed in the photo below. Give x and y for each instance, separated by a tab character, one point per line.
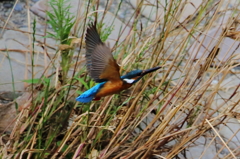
183	106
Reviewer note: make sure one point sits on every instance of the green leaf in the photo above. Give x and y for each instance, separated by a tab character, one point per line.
84	83
32	81
79	92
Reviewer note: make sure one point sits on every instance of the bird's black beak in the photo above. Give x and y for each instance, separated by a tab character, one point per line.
144	72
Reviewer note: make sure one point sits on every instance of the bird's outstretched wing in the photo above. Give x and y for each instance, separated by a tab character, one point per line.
100	62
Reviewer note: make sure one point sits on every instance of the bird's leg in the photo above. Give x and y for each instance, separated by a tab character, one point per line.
98	98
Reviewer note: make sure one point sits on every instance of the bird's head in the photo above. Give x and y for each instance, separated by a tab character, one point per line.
134	76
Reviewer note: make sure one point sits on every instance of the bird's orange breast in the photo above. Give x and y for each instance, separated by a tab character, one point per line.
111	87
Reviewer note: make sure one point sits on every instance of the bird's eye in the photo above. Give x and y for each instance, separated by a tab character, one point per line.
139	74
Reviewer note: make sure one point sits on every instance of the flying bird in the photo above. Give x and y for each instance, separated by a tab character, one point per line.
103	68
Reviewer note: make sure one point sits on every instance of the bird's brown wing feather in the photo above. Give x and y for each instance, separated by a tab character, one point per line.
100	62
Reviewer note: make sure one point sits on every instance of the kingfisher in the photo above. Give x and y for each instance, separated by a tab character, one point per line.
104	70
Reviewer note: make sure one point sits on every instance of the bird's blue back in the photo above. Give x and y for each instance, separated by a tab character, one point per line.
88	95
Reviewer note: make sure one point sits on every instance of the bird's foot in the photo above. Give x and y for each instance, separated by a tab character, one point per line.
98	98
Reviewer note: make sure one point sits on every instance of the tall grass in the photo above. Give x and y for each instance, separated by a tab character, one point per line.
162	116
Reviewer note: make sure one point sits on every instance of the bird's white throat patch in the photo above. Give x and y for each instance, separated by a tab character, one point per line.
130	81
